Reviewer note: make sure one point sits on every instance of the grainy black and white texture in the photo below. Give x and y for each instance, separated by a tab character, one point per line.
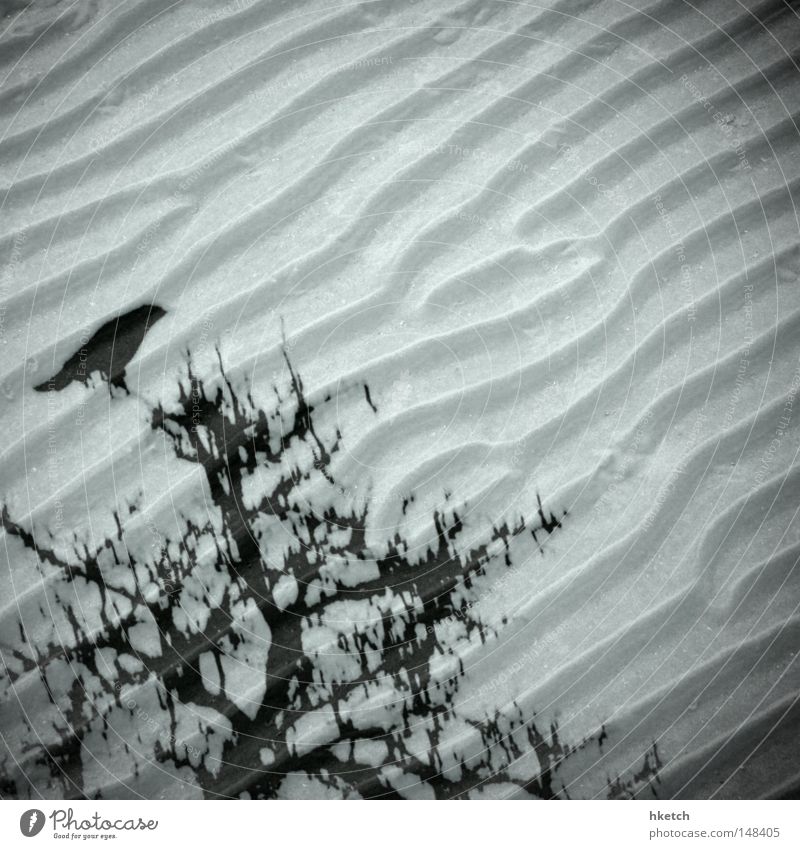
400	399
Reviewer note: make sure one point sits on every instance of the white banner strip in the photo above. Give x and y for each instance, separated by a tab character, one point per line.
332	825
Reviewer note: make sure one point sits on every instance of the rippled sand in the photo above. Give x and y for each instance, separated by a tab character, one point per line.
399	399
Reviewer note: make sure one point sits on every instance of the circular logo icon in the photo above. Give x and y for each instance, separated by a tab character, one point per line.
31	822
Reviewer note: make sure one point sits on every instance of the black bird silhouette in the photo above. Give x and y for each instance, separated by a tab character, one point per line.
109	351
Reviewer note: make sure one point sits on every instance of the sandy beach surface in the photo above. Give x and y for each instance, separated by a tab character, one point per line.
399	399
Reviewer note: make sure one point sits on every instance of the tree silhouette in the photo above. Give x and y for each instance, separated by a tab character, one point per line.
277	645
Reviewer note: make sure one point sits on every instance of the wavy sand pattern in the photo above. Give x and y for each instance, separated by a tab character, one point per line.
400	399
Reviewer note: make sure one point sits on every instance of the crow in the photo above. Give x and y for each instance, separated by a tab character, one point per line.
109	351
